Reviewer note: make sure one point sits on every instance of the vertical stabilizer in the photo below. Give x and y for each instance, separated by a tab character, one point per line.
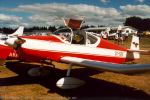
135	46
18	32
119	28
107	30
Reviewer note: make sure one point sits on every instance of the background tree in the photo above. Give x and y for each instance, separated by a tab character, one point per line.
138	23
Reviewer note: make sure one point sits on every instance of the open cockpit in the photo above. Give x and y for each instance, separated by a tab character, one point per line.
77	36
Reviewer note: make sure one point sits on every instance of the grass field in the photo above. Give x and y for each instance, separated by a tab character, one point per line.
15	84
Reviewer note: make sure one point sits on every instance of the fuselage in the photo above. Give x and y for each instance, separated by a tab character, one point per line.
37	48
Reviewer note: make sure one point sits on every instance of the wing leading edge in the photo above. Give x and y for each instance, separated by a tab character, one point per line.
123	68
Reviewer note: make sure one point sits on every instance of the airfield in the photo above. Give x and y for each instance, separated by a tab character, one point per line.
15	84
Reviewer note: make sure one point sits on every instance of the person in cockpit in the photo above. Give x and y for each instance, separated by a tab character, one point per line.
79	37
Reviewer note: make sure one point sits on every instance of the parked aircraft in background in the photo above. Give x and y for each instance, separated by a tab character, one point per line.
105	32
79	48
3	46
107	35
18	32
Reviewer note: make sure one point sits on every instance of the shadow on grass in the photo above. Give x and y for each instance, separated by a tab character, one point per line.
93	89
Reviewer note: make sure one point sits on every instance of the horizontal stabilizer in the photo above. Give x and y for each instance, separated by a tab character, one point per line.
144	52
123	68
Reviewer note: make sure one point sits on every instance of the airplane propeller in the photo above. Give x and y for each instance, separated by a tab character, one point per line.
15	42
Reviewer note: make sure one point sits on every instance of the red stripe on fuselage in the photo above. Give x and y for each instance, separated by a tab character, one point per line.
5	51
36	55
108	45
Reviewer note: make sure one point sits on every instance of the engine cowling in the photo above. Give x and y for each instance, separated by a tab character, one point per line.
11	42
15	42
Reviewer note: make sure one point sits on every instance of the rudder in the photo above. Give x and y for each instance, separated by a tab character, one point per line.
135	46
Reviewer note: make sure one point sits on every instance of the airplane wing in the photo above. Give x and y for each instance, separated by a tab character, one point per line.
112	34
123	68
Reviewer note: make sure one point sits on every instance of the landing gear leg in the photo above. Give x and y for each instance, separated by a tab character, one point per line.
69	70
69	82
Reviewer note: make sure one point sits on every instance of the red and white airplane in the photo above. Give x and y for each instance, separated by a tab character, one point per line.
5	48
79	48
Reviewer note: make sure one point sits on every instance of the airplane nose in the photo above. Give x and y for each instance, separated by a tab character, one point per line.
11	42
15	42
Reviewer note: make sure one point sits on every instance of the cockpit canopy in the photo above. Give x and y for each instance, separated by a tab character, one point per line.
77	36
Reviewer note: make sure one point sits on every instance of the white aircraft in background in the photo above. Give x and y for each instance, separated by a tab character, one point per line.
18	32
106	32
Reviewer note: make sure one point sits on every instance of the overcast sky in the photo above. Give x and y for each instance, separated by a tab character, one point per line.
50	12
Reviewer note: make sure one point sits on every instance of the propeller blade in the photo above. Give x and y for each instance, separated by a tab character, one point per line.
20	41
15	42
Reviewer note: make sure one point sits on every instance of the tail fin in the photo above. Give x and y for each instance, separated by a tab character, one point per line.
119	28
134	49
107	30
135	46
18	32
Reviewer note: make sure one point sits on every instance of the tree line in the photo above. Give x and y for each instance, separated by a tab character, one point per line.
6	30
139	23
142	24
30	29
